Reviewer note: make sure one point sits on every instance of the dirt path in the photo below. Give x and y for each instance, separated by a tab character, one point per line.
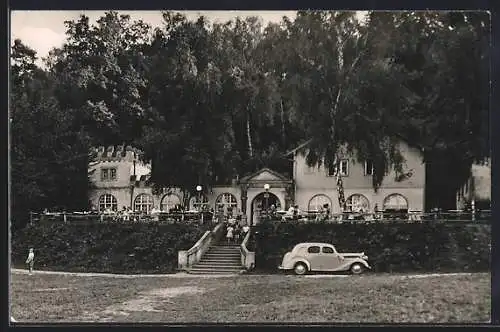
124	276
187	275
151	301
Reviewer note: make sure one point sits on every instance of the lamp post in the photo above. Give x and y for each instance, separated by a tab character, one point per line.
198	189
266	195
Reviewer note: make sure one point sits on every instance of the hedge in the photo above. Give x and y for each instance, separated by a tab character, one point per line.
391	247
106	248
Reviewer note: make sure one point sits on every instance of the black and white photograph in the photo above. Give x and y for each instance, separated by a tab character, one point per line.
250	167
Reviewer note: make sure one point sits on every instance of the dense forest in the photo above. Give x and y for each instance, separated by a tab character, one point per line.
207	102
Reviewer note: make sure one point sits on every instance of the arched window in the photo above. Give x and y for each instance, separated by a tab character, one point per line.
226	202
318	201
169	201
395	202
143	203
108	201
356	203
196	204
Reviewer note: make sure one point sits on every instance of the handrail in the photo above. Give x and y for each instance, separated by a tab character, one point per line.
247	257
187	258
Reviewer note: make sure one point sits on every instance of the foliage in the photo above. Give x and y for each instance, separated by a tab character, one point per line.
113	247
210	102
431	247
49	154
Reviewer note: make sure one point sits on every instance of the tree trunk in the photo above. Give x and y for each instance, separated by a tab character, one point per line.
249	137
283	135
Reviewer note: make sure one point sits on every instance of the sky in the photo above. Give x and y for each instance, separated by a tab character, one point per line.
43	30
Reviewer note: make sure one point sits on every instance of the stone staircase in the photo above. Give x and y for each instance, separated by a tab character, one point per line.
219	259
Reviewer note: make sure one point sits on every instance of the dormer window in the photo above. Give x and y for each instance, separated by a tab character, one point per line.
108	174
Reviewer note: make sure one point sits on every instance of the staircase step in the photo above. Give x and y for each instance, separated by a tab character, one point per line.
217	267
226	247
223	259
218	254
212	270
203	263
229	266
223	251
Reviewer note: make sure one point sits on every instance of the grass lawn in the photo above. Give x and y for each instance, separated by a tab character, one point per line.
252	298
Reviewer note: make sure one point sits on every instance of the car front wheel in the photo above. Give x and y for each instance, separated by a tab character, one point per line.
357	268
300	269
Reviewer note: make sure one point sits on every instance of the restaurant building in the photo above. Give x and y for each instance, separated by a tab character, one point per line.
120	180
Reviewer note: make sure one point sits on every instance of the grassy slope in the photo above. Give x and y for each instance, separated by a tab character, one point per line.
271	298
111	248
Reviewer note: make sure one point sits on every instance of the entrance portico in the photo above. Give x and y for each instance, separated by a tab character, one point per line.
263	189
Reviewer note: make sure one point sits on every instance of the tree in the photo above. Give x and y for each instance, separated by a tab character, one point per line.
49	154
100	74
341	93
445	60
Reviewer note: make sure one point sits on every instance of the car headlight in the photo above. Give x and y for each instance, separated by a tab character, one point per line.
365	257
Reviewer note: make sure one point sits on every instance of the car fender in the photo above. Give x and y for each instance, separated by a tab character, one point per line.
346	265
300	260
362	261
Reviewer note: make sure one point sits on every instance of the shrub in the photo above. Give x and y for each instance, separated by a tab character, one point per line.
391	247
112	248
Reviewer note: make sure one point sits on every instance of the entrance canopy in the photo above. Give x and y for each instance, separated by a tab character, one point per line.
266	175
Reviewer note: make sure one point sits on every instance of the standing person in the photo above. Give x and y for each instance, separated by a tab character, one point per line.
237	232
230	234
326	212
31	260
245	229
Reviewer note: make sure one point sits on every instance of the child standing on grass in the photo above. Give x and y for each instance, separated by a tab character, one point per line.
31	260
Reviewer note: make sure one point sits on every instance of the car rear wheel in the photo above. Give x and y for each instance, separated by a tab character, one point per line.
300	269
357	268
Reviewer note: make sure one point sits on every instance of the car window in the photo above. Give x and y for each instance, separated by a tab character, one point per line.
313	250
327	250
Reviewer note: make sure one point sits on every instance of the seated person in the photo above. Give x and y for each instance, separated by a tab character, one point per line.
296	212
320	214
289	213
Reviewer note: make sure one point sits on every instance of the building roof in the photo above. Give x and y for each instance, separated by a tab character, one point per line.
115	153
276	175
300	146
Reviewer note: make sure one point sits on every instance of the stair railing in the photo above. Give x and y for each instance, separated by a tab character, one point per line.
247	257
187	258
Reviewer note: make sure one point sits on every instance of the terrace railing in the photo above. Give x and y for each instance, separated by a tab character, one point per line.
383	216
204	218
